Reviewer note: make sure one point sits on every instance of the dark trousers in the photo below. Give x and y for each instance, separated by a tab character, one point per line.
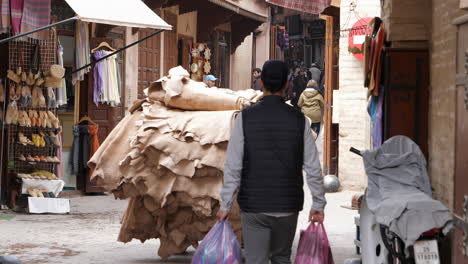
316	127
268	238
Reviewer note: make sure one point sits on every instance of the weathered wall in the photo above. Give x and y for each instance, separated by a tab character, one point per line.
350	102
241	65
442	111
187	25
262	45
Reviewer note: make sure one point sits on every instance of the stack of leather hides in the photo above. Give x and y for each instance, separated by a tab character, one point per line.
167	157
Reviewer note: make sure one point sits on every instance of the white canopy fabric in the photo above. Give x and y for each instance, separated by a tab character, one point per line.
127	13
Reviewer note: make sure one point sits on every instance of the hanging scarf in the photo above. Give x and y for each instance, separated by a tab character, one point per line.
61	92
99	76
16	7
94	144
5	21
82	51
36	14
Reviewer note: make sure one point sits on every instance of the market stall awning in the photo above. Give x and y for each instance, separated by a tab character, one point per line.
308	6
128	13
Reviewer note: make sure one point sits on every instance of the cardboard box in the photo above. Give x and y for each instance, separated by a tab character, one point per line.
39	205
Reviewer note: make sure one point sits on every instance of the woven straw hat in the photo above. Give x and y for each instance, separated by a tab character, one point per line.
53	82
57	71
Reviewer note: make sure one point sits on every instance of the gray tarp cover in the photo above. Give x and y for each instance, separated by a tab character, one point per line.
399	191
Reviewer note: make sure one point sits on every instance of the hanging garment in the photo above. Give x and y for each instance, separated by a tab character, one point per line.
105	81
98	78
115	93
36	14
16	7
111	81
59	167
80	150
82	51
286	40
94	143
5	22
375	110
280	38
61	92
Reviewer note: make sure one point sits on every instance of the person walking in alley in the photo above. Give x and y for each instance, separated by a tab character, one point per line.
316	74
300	83
210	81
256	73
311	104
271	143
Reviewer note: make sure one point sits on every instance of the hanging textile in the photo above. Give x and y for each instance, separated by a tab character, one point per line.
61	92
5	13
82	51
308	6
375	110
16	7
94	143
80	150
107	84
59	167
373	53
98	77
36	14
280	38
286	40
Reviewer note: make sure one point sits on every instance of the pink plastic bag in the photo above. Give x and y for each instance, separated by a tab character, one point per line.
219	246
314	247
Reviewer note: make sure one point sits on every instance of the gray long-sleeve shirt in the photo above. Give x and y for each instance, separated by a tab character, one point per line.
234	162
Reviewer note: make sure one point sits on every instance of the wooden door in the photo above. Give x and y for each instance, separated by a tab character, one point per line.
184	48
460	243
106	116
330	136
149	60
407	95
170	42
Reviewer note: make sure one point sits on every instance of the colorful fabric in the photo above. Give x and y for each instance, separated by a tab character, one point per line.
106	80
94	143
82	51
16	8
36	14
98	78
5	21
59	167
375	110
307	6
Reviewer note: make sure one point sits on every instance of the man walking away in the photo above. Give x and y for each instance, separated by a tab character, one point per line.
271	143
311	104
256	73
300	83
317	75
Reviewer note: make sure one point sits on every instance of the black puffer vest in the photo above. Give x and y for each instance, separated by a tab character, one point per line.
273	156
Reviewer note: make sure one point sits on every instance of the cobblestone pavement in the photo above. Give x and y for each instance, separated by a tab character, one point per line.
89	233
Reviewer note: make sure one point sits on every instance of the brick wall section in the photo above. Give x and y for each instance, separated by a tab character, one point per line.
350	102
442	112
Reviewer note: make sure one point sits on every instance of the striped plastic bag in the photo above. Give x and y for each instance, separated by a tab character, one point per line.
220	246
